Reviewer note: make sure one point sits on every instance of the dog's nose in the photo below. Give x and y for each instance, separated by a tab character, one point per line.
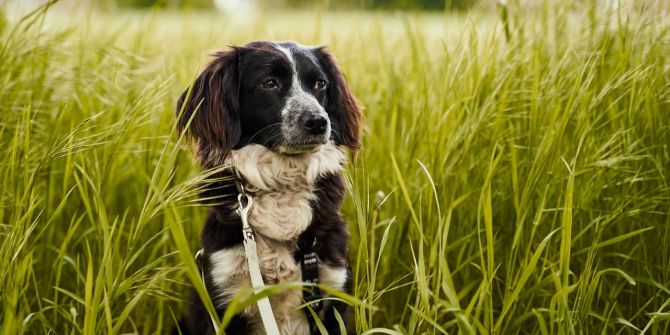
316	124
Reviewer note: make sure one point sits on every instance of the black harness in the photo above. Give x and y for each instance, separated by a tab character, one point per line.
310	274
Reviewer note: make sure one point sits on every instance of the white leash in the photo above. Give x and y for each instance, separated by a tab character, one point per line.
268	318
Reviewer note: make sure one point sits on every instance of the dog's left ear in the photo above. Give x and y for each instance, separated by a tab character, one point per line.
342	106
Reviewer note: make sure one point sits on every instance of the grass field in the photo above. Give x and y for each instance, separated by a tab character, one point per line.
515	179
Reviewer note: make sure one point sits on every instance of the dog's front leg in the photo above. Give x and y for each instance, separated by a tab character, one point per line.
223	255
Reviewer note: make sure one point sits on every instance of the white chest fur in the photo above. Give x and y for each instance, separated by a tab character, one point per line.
283	187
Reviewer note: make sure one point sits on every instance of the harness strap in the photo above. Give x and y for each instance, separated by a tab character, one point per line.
311	295
310	274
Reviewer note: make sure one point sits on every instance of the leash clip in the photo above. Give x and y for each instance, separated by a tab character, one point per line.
244	203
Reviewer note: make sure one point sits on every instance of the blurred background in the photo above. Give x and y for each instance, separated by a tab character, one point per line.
235	4
242	7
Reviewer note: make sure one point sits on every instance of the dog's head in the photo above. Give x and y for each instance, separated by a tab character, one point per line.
287	97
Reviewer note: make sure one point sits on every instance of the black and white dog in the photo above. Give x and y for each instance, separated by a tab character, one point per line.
279	116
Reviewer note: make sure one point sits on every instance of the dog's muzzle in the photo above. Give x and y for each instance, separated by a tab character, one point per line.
305	125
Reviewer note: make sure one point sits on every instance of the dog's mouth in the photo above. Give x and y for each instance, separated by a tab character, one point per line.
299	148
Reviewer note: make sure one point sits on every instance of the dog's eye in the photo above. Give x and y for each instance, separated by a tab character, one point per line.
320	84
269	84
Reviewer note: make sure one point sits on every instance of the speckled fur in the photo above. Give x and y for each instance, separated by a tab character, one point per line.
283	186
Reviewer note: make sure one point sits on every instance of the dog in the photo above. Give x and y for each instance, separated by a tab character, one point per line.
279	117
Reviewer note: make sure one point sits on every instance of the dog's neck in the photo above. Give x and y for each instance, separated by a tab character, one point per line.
283	186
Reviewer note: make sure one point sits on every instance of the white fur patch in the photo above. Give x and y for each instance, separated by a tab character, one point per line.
226	262
334	277
282	187
226	266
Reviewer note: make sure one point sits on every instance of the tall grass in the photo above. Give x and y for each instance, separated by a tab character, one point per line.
514	177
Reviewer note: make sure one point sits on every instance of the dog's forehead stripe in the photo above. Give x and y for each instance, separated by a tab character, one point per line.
298	54
289	55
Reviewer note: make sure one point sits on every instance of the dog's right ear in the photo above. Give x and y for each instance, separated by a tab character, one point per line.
208	111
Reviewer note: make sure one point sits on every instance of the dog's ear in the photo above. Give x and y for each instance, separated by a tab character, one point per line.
208	111
342	106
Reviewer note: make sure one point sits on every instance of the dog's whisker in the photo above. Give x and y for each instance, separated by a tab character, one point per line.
262	129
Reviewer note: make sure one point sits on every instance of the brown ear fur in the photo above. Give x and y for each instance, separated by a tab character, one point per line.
208	111
344	104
